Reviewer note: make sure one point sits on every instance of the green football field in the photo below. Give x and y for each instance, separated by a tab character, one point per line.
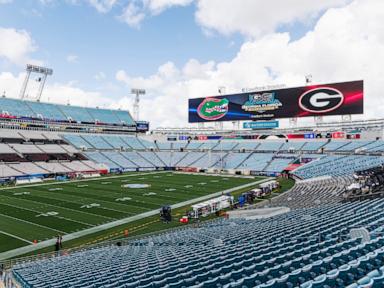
40	212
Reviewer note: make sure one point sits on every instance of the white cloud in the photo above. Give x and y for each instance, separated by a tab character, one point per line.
257	17
346	44
72	58
102	6
132	15
136	10
16	45
158	6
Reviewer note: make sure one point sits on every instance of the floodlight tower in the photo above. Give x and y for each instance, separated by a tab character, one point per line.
136	105
39	70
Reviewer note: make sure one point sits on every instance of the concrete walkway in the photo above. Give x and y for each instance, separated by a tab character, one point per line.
75	235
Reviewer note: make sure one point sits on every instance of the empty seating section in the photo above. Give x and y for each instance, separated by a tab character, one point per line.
147	144
257	161
248	146
100	158
30	134
210	160
334	145
75	113
233	160
77	141
46	111
193	145
269	146
292	146
152	158
313	146
70	149
77	166
178	145
313	192
308	247
352	146
96	141
336	165
28	168
133	142
225	146
208	145
191	158
15	107
115	142
103	115
138	160
164	145
124	117
51	148
26	148
53	167
170	159
6	171
278	164
5	149
120	160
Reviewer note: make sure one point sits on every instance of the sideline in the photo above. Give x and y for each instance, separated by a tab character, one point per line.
92	230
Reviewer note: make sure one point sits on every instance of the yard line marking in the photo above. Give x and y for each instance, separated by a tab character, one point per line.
60	207
31	223
16	237
56	216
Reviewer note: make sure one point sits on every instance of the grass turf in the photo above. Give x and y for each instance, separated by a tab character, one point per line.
41	212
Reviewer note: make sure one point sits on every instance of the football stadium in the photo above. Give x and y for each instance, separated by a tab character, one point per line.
279	185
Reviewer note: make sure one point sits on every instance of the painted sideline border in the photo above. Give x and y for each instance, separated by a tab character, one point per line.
75	235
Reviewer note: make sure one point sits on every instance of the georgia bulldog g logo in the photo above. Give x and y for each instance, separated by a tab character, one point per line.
321	100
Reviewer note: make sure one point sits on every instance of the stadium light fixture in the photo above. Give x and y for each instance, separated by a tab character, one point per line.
39	70
136	105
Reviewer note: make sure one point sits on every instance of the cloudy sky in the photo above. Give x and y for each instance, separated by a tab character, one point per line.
180	49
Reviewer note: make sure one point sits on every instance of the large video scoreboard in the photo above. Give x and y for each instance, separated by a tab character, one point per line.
345	98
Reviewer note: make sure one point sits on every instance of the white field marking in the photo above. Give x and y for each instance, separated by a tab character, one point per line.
89	199
188	186
82	185
31	223
50	214
136	186
55	189
16	237
202	183
92	205
123	199
92	230
170	189
105	183
60	207
150	194
215	181
21	193
82	180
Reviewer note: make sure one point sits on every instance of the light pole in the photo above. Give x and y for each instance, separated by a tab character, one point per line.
136	107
